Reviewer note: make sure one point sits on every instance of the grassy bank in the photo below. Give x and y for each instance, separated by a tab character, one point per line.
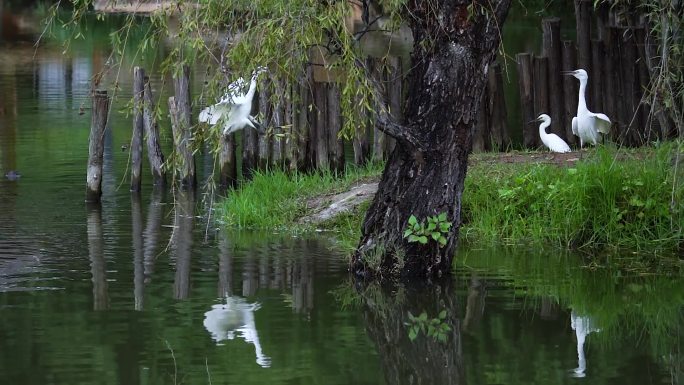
612	198
615	199
276	200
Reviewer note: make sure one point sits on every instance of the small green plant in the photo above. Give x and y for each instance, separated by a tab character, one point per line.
437	228
436	328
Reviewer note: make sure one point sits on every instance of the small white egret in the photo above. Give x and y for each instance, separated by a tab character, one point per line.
235	107
552	141
587	124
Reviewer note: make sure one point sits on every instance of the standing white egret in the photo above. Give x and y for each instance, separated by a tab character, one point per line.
234	108
552	141
587	124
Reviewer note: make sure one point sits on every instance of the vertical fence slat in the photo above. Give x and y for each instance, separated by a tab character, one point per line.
570	90
499	138
278	106
96	146
266	113
334	118
596	86
553	51
583	12
227	161
320	124
541	90
303	121
525	86
250	146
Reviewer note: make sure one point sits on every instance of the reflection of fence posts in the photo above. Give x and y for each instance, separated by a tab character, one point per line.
96	146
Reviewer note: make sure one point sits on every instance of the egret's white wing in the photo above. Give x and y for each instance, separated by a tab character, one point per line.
601	122
574	126
213	114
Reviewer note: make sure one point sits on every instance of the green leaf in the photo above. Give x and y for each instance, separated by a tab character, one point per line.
435	236
413	238
413	334
431	331
442	217
431	226
413	220
442	314
408	232
442	241
422	239
423	316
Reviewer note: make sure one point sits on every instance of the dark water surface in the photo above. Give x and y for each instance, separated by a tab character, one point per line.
135	292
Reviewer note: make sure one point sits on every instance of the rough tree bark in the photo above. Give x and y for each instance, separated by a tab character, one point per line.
455	42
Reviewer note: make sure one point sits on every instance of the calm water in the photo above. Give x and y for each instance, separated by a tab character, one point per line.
136	292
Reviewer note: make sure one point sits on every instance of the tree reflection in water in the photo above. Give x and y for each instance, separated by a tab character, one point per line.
424	360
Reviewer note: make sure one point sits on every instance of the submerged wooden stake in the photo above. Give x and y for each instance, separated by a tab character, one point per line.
154	150
180	108
137	136
96	146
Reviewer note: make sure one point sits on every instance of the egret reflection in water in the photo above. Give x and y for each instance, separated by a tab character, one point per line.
235	316
582	325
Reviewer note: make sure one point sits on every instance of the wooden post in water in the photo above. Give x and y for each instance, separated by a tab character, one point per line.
570	90
525	85
498	132
553	51
541	92
154	150
320	124
182	134
138	126
334	119
266	113
98	125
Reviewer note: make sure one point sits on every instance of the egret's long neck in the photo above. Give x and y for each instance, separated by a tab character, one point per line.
252	88
582	103
542	128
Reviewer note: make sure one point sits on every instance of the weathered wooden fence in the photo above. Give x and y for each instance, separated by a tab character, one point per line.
615	60
305	117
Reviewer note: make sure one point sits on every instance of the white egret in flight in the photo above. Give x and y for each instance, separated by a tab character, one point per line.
587	124
552	141
235	107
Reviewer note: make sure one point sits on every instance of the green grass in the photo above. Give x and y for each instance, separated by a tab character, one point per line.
276	199
634	202
631	203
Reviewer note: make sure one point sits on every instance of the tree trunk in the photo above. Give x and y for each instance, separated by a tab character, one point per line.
424	175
